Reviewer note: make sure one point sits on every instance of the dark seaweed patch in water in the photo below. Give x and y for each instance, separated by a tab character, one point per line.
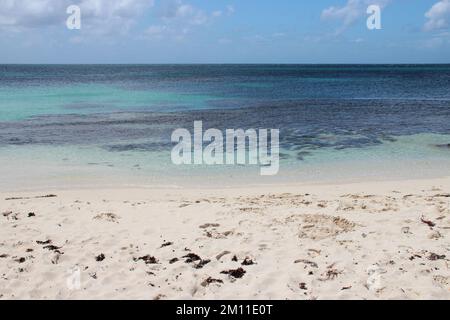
20	141
149	146
443	146
84	105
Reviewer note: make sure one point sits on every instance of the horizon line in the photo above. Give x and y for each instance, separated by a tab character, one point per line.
232	63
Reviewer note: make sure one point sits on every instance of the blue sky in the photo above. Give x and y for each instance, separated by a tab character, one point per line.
224	31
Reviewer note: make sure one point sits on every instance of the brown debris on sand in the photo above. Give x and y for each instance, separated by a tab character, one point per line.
307	262
166	244
214	234
47	244
429	223
434	257
209	281
346	288
47	196
247	262
235	273
442	195
51	247
209	225
201	264
192	257
6	213
100	257
108	216
10	215
148	259
331	273
36	197
44	242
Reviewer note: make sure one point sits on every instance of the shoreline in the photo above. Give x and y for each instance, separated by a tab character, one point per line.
409	183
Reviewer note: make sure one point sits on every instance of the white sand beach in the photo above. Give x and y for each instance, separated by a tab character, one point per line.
373	240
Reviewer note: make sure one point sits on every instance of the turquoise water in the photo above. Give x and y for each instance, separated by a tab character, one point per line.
28	168
84	99
111	125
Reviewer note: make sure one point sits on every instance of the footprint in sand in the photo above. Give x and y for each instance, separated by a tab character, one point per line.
111	217
319	227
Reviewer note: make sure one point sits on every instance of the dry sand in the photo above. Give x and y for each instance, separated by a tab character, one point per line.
380	240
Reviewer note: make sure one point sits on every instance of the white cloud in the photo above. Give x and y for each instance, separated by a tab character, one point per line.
348	13
98	16
112	16
28	13
179	12
173	18
438	16
178	18
351	12
106	20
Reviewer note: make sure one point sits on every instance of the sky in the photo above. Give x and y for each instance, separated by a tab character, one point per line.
224	31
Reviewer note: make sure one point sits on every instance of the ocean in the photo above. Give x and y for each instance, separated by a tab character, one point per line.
89	125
